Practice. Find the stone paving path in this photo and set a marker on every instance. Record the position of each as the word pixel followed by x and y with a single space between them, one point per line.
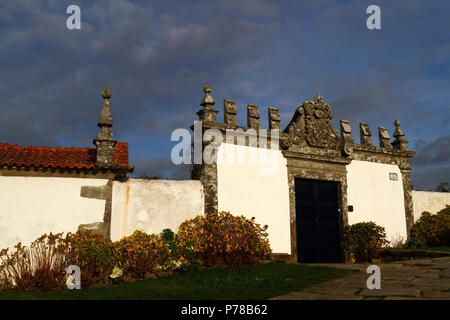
pixel 424 279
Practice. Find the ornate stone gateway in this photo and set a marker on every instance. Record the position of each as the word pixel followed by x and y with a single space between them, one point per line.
pixel 316 153
pixel 317 167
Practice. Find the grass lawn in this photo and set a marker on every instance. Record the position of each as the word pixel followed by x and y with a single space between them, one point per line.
pixel 246 282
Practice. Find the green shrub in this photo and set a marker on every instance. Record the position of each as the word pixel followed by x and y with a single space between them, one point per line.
pixel 221 238
pixel 141 254
pixel 364 241
pixel 94 254
pixel 431 230
pixel 173 260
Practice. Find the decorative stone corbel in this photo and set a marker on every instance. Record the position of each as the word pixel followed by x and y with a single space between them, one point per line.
pixel 383 137
pixel 253 116
pixel 230 112
pixel 365 134
pixel 285 141
pixel 274 119
pixel 346 138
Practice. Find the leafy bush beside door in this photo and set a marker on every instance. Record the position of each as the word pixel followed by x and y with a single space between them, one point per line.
pixel 364 240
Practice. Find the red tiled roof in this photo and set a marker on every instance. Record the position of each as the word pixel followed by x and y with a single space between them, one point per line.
pixel 121 154
pixel 47 157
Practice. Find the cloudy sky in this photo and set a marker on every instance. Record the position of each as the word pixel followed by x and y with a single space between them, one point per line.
pixel 157 56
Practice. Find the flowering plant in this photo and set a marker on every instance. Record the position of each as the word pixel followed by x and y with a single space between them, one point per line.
pixel 221 238
pixel 141 254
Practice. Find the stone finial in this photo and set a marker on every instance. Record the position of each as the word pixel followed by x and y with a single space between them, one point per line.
pixel 104 141
pixel 253 116
pixel 208 100
pixel 399 143
pixel 274 119
pixel 230 112
pixel 106 94
pixel 365 134
pixel 105 115
pixel 383 137
pixel 208 113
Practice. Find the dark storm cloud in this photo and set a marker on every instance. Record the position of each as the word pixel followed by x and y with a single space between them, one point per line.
pixel 428 178
pixel 434 152
pixel 152 63
pixel 161 168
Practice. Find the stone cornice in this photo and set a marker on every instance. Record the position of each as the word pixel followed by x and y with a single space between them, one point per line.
pixel 316 154
pixel 383 151
pixel 92 173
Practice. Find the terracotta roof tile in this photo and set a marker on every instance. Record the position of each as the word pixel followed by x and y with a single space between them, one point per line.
pixel 57 157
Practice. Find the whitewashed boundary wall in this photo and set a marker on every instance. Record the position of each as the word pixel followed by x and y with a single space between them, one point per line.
pixel 32 206
pixel 429 201
pixel 153 205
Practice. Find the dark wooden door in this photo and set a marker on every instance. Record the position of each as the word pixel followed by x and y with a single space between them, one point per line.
pixel 318 232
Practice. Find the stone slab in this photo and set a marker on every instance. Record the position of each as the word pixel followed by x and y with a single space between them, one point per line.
pixel 315 296
pixel 405 292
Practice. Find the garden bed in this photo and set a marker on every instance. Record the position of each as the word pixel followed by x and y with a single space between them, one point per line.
pixel 261 281
pixel 390 255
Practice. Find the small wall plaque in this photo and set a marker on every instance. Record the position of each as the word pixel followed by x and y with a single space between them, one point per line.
pixel 393 176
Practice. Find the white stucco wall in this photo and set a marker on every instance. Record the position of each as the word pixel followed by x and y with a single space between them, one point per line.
pixel 153 205
pixel 32 206
pixel 429 201
pixel 375 197
pixel 256 190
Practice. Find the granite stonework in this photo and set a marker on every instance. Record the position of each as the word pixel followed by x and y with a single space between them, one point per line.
pixel 102 193
pixel 313 150
pixel 207 174
pixel 104 141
